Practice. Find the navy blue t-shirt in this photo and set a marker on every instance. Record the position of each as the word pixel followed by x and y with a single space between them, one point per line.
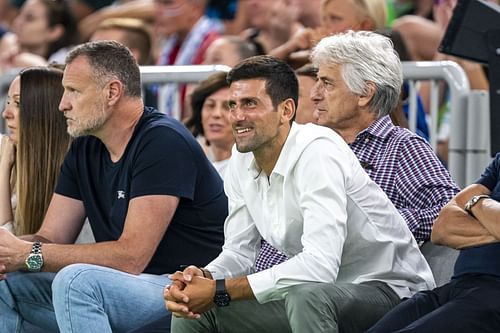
pixel 484 259
pixel 162 158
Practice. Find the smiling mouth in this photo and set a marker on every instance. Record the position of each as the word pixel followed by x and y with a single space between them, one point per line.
pixel 243 130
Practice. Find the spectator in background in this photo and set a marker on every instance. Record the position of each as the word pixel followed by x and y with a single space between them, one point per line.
pixel 42 32
pixel 272 23
pixel 336 16
pixel 305 108
pixel 83 8
pixel 209 120
pixel 133 172
pixel 188 33
pixel 309 12
pixel 133 33
pixel 33 150
pixel 229 51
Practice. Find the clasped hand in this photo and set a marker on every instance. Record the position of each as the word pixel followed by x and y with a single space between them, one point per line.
pixel 190 294
pixel 13 252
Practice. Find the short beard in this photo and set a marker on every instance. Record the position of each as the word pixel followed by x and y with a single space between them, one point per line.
pixel 88 126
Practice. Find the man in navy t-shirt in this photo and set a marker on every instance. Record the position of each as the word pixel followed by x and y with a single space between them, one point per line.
pixel 153 200
pixel 470 302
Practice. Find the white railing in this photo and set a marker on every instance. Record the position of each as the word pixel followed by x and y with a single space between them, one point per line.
pixel 469 139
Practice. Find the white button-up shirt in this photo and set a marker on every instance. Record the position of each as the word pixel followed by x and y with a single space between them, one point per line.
pixel 322 210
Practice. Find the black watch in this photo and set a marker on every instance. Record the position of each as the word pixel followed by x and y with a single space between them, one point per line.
pixel 221 297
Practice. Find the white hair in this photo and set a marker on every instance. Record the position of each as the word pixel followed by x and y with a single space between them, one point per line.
pixel 364 57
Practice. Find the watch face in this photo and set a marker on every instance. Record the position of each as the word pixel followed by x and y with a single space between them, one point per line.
pixel 222 299
pixel 34 262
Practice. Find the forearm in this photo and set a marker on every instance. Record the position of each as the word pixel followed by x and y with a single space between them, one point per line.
pixel 6 213
pixel 113 254
pixel 457 229
pixel 487 212
pixel 239 289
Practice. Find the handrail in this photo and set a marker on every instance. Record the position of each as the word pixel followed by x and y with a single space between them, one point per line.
pixel 458 83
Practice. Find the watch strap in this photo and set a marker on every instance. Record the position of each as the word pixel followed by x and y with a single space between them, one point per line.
pixel 473 201
pixel 221 297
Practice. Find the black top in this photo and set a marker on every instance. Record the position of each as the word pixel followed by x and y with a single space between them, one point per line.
pixel 162 158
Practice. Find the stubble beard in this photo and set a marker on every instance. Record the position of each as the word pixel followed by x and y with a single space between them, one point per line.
pixel 88 126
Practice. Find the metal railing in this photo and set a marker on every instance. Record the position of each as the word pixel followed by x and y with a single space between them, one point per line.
pixel 468 143
pixel 469 116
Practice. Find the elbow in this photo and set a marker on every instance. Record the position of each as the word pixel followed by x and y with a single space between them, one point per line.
pixel 439 231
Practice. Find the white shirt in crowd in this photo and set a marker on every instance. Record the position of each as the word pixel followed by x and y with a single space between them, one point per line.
pixel 323 211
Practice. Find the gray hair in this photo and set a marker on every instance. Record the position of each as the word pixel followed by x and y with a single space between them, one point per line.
pixel 364 57
pixel 110 60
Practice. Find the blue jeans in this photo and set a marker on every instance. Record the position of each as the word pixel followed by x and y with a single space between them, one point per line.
pixel 81 298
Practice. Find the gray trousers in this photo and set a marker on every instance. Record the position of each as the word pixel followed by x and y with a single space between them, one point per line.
pixel 312 307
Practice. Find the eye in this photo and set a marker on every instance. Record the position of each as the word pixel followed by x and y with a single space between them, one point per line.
pixel 250 103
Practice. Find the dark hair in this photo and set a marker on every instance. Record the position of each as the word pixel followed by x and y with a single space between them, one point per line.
pixel 307 70
pixel 207 87
pixel 136 35
pixel 281 82
pixel 110 59
pixel 43 143
pixel 58 12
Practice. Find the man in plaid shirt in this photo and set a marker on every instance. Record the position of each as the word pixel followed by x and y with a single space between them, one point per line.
pixel 400 162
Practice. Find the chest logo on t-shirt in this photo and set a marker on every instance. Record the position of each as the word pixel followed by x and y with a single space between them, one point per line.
pixel 121 194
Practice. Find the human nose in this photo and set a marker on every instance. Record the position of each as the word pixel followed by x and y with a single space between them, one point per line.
pixel 316 93
pixel 7 112
pixel 236 113
pixel 64 104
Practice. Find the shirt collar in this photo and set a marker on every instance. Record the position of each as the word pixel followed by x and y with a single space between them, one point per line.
pixel 379 128
pixel 283 163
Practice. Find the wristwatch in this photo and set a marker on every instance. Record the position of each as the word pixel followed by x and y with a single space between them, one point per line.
pixel 34 261
pixel 221 297
pixel 474 200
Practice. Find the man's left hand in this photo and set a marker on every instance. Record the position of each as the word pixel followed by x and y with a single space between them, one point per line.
pixel 190 298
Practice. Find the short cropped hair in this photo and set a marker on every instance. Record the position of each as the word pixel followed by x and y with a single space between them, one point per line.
pixel 281 82
pixel 110 59
pixel 364 57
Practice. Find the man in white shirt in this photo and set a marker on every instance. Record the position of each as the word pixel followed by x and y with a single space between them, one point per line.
pixel 302 189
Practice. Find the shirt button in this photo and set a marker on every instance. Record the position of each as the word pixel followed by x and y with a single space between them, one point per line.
pixel 367 140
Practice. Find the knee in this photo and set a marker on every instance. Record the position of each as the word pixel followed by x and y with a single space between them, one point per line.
pixel 72 278
pixel 304 295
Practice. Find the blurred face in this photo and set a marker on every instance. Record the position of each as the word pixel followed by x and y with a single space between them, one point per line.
pixel 259 12
pixel 83 101
pixel 336 106
pixel 341 15
pixel 221 52
pixel 109 34
pixel 215 121
pixel 305 108
pixel 31 26
pixel 11 110
pixel 255 122
pixel 170 16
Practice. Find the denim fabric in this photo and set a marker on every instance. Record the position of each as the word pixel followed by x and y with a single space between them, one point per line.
pixel 83 298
